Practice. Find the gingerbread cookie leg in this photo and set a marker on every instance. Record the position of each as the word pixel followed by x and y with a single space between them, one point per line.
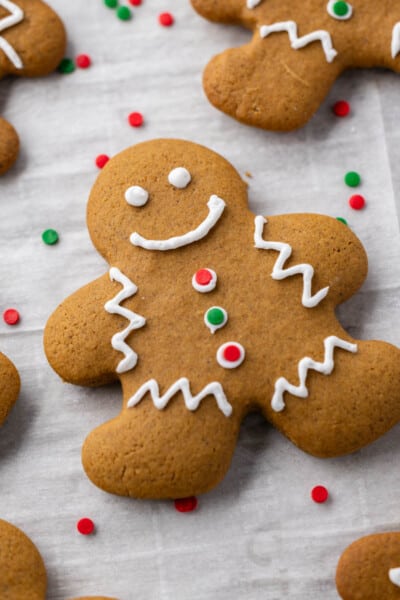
pixel 369 569
pixel 9 146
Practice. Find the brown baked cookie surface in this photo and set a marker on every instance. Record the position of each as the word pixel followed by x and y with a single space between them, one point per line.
pixel 22 572
pixel 369 569
pixel 9 386
pixel 209 312
pixel 298 49
pixel 32 44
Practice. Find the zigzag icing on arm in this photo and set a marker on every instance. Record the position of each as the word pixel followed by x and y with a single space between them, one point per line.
pixel 136 321
pixel 394 576
pixel 279 272
pixel 396 40
pixel 16 16
pixel 325 368
pixel 252 3
pixel 182 385
pixel 299 42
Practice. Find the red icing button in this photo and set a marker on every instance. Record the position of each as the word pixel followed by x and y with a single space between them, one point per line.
pixel 102 160
pixel 11 316
pixel 357 202
pixel 83 61
pixel 85 526
pixel 184 505
pixel 319 494
pixel 166 19
pixel 203 277
pixel 135 2
pixel 135 119
pixel 232 353
pixel 341 108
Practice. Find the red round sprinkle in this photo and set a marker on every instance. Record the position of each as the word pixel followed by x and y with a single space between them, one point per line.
pixel 136 119
pixel 341 108
pixel 102 160
pixel 319 494
pixel 11 316
pixel 184 505
pixel 135 2
pixel 203 277
pixel 166 19
pixel 83 61
pixel 85 526
pixel 232 353
pixel 357 202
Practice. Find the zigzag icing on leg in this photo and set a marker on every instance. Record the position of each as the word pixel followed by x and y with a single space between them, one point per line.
pixel 279 272
pixel 135 321
pixel 282 385
pixel 16 16
pixel 299 42
pixel 396 40
pixel 182 385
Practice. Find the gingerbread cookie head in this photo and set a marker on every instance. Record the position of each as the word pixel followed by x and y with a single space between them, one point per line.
pixel 9 386
pixel 369 569
pixel 298 49
pixel 32 38
pixel 208 312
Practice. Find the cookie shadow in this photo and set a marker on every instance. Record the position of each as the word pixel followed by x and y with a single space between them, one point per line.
pixel 14 431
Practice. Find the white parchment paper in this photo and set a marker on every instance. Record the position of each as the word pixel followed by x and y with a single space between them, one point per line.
pixel 258 535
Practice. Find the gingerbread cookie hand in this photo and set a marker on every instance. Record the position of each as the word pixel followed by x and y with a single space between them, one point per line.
pixel 370 568
pixel 281 77
pixel 213 312
pixel 9 386
pixel 32 44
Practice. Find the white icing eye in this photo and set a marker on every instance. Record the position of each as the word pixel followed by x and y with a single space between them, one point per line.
pixel 136 196
pixel 338 9
pixel 180 177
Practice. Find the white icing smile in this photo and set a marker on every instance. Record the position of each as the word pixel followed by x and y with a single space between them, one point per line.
pixel 299 42
pixel 216 207
pixel 16 16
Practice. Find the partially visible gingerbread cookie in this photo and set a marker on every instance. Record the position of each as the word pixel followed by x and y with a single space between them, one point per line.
pixel 9 146
pixel 369 569
pixel 208 312
pixel 298 50
pixel 32 44
pixel 9 386
pixel 22 571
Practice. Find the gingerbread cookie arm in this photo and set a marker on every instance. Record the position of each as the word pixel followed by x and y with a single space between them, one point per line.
pixel 9 386
pixel 9 146
pixel 230 11
pixel 22 572
pixel 369 569
pixel 94 346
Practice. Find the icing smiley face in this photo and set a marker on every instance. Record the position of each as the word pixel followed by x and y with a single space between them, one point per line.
pixel 298 50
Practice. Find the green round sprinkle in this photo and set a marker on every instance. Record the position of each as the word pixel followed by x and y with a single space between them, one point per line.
pixel 341 8
pixel 66 66
pixel 341 220
pixel 50 237
pixel 352 179
pixel 215 316
pixel 111 3
pixel 124 13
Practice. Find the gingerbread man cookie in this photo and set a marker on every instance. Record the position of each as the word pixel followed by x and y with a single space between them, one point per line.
pixel 22 571
pixel 298 50
pixel 208 312
pixel 369 569
pixel 32 44
pixel 9 386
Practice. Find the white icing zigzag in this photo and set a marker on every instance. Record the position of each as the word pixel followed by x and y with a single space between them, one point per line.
pixel 135 321
pixel 394 576
pixel 278 272
pixel 396 40
pixel 182 385
pixel 16 16
pixel 299 42
pixel 252 3
pixel 282 385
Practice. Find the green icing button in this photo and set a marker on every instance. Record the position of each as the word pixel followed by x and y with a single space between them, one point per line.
pixel 215 316
pixel 111 3
pixel 124 13
pixel 66 66
pixel 341 220
pixel 341 8
pixel 352 179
